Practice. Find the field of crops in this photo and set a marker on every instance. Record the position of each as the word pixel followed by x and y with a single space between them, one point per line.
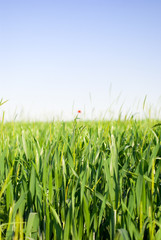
pixel 80 180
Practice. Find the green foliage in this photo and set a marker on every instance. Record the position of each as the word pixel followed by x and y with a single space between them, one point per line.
pixel 80 180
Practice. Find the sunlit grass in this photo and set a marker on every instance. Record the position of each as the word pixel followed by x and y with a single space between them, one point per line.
pixel 80 179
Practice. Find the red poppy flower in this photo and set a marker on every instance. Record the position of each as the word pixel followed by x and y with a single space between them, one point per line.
pixel 79 111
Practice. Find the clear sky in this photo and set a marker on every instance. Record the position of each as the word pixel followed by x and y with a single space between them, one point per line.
pixel 59 56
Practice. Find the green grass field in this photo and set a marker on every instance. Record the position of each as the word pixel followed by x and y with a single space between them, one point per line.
pixel 80 180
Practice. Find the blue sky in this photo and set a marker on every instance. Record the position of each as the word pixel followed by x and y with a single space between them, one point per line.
pixel 60 56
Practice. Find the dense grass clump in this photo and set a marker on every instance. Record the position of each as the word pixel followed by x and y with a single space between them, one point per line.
pixel 80 180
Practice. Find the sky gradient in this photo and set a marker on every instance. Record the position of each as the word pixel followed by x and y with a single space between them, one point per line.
pixel 57 57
